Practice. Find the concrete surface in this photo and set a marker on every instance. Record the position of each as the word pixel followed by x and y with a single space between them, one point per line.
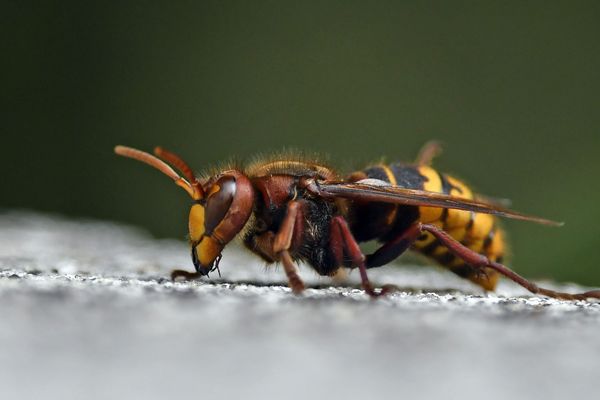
pixel 87 313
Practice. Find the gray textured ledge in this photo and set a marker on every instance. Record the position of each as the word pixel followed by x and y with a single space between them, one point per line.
pixel 87 313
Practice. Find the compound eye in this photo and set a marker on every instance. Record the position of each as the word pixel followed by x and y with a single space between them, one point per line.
pixel 219 199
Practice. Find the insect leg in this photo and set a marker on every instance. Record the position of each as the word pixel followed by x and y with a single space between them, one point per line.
pixel 180 273
pixel 479 261
pixel 394 248
pixel 294 281
pixel 283 241
pixel 341 236
pixel 428 152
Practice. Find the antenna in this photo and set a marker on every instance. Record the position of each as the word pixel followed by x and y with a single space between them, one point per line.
pixel 194 190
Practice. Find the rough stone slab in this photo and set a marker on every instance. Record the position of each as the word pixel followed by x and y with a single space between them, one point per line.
pixel 87 312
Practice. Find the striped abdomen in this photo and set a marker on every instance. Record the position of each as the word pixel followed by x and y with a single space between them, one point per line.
pixel 384 222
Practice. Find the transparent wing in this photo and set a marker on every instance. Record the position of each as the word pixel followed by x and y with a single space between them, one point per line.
pixel 413 197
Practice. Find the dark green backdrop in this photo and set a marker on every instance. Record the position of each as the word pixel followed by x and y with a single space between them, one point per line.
pixel 512 88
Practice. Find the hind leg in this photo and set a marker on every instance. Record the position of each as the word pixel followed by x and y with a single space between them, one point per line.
pixel 481 268
pixel 485 278
pixel 394 248
pixel 428 152
pixel 481 262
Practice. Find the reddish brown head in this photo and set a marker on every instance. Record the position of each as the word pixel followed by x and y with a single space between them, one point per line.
pixel 222 204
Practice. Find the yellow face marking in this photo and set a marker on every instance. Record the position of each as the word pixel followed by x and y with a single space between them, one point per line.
pixel 208 250
pixel 196 222
pixel 433 183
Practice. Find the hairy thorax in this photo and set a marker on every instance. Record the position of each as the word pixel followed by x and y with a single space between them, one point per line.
pixel 277 183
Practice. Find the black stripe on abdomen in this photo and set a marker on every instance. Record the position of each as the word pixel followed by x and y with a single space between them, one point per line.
pixel 407 176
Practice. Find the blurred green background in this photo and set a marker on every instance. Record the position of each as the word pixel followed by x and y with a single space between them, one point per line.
pixel 511 88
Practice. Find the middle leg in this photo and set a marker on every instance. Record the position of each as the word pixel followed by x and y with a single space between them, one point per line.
pixel 343 243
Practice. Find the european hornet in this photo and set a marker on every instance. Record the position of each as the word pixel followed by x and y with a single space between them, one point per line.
pixel 290 209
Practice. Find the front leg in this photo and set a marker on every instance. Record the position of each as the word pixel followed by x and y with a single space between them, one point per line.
pixel 283 241
pixel 180 273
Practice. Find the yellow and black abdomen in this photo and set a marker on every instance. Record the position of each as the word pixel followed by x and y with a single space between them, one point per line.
pixel 383 222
